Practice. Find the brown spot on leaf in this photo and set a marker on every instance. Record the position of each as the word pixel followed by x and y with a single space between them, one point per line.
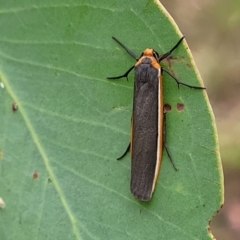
pixel 35 175
pixel 167 107
pixel 14 106
pixel 180 106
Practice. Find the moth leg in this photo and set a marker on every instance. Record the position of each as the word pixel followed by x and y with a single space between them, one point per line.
pixel 179 82
pixel 124 75
pixel 165 141
pixel 125 153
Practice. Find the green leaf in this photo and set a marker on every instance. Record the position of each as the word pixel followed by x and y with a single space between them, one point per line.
pixel 59 177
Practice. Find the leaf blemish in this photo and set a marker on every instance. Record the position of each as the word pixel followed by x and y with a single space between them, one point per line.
pixel 167 107
pixel 35 175
pixel 180 106
pixel 14 107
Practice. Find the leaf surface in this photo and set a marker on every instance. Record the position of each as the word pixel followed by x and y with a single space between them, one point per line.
pixel 59 176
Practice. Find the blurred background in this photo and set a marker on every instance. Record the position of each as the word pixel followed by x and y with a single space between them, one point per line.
pixel 212 30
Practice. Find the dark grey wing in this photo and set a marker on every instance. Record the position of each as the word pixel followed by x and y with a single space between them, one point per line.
pixel 144 131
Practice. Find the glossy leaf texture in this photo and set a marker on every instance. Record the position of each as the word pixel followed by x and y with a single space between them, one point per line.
pixel 59 177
